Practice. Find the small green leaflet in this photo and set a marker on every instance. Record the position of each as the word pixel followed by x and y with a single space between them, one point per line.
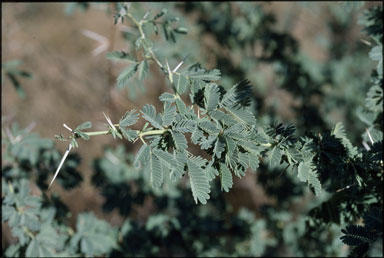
pixel 226 178
pixel 83 126
pixel 125 75
pixel 165 158
pixel 196 72
pixel 307 173
pixel 128 134
pixel 209 127
pixel 120 55
pixel 199 183
pixel 185 126
pixel 142 155
pixel 211 173
pixel 197 135
pixel 179 140
pixel 166 96
pixel 275 156
pixel 181 83
pixel 143 69
pixel 242 115
pixel 212 96
pixel 83 135
pixel 219 147
pixel 149 114
pixel 181 106
pixel 130 118
pixel 169 114
pixel 156 177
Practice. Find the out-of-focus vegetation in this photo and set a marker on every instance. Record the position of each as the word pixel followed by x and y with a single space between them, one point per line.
pixel 314 67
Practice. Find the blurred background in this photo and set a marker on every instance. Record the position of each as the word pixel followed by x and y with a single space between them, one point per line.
pixel 307 61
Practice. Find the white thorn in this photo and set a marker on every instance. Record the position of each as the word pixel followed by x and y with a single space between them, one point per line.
pixel 366 42
pixel 178 66
pixel 61 164
pixel 169 71
pixel 146 14
pixel 182 61
pixel 66 126
pixel 369 135
pixel 366 146
pixel 109 121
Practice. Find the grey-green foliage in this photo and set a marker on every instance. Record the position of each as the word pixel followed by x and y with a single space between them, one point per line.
pixel 221 122
pixel 224 127
pixel 40 234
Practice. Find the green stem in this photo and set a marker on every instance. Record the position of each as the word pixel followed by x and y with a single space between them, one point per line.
pixel 97 133
pixel 140 27
pixel 153 132
pixel 141 134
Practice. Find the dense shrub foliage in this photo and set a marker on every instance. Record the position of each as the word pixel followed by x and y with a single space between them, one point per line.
pixel 324 176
